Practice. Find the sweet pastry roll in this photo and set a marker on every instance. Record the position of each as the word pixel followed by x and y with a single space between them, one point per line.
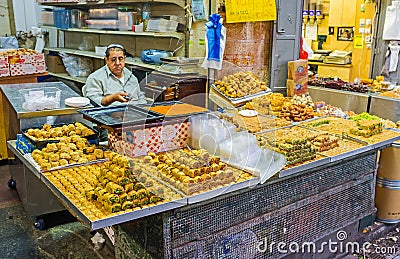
pixel 91 157
pixel 54 157
pixel 63 162
pixel 144 201
pixel 45 166
pixel 55 164
pixel 71 127
pixel 46 135
pixel 98 153
pixel 128 187
pixel 110 198
pixel 65 155
pixel 123 180
pixel 114 208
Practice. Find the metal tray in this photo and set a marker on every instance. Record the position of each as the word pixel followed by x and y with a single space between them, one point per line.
pixel 113 220
pixel 241 99
pixel 350 153
pixel 387 142
pixel 39 144
pixel 32 161
pixel 304 167
pixel 116 116
pixel 223 190
pixel 170 103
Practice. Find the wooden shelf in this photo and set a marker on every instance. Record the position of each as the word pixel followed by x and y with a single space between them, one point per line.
pixel 81 79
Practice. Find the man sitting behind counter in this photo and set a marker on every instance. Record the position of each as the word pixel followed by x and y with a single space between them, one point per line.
pixel 113 84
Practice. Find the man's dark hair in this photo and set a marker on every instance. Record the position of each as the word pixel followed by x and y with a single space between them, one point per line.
pixel 114 46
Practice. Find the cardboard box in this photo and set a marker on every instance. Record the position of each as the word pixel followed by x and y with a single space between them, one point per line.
pixel 3 61
pixel 297 69
pixel 31 58
pixel 297 87
pixel 4 71
pixel 55 64
pixel 138 142
pixel 20 69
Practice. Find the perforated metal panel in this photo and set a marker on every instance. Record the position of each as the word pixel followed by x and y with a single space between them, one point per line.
pixel 303 221
pixel 197 222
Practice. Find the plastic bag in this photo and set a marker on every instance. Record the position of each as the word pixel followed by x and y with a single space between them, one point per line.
pixel 77 66
pixel 8 42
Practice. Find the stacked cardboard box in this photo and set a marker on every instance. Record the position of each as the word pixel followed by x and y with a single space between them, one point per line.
pixel 297 82
pixel 4 67
pixel 26 64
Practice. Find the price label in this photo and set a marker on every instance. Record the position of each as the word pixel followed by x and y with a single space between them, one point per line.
pixel 250 10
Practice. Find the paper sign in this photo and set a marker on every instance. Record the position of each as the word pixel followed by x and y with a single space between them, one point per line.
pixel 198 9
pixel 311 31
pixel 250 10
pixel 358 42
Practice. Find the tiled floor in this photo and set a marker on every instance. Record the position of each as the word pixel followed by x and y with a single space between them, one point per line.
pixel 20 239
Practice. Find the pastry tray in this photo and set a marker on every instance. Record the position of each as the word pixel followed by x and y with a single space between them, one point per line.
pixel 114 219
pixel 29 158
pixel 170 103
pixel 116 116
pixel 39 144
pixel 241 99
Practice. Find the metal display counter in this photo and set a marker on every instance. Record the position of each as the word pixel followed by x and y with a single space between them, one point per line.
pixel 385 107
pixel 202 225
pixel 302 207
pixel 35 196
pixel 357 102
pixel 17 118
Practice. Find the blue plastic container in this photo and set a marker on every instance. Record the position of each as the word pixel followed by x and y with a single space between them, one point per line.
pixel 62 18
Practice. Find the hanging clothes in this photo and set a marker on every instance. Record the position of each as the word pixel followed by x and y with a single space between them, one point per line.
pixel 392 21
pixel 394 57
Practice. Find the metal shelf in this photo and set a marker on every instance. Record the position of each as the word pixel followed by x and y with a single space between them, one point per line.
pixel 91 54
pixel 177 35
pixel 81 79
pixel 180 3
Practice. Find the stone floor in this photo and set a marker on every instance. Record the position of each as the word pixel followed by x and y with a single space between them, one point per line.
pixel 20 239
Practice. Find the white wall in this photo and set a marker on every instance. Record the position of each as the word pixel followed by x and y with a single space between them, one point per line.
pixel 4 19
pixel 26 14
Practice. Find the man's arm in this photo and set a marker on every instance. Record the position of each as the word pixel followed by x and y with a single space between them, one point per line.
pixel 94 91
pixel 109 99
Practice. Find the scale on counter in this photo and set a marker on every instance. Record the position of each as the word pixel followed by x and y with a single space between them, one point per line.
pixel 179 66
pixel 319 55
pixel 338 57
pixel 116 116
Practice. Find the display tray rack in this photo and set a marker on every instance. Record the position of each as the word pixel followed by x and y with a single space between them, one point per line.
pixel 241 99
pixel 115 219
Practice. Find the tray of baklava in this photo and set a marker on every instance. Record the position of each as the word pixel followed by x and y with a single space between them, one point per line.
pixel 110 192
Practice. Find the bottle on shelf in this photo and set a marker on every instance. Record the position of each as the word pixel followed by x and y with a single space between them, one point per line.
pixel 146 13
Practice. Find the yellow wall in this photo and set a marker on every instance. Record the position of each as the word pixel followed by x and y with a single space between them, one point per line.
pixel 361 57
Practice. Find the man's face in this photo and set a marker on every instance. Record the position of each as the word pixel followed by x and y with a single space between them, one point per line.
pixel 116 61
